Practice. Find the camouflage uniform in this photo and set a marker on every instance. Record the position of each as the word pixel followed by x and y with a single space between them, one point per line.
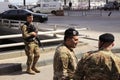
pixel 31 48
pixel 65 63
pixel 98 65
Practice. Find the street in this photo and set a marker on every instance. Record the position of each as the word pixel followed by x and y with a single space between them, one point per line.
pixel 46 74
pixel 102 23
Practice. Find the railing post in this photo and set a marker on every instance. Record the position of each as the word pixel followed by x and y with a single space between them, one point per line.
pixel 2 21
pixel 9 23
pixel 55 28
pixel 19 23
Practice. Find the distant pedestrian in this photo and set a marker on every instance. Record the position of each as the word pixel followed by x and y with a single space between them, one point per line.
pixel 101 64
pixel 65 60
pixel 32 49
pixel 70 5
pixel 109 14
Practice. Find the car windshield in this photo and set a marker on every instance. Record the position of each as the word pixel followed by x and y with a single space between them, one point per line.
pixel 5 12
pixel 24 12
pixel 28 11
pixel 10 12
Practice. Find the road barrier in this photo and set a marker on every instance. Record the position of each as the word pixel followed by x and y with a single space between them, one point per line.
pixel 85 12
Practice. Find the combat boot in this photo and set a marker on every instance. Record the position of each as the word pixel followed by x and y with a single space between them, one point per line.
pixel 35 69
pixel 34 64
pixel 30 71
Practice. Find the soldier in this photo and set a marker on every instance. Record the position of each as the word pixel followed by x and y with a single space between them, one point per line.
pixel 65 60
pixel 29 33
pixel 70 5
pixel 101 64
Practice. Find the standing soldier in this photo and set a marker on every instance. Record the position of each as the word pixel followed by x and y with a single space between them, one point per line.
pixel 70 5
pixel 65 60
pixel 29 33
pixel 101 64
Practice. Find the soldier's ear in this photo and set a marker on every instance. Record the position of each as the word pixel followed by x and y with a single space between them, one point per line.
pixel 113 44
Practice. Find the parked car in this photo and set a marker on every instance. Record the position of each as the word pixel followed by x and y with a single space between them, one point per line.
pixel 20 14
pixel 111 6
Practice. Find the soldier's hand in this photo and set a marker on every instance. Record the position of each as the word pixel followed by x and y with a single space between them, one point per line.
pixel 34 33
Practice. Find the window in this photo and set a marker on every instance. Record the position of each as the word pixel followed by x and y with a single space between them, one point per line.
pixel 12 12
pixel 22 12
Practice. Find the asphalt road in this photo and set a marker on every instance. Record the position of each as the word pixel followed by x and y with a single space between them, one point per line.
pixel 102 23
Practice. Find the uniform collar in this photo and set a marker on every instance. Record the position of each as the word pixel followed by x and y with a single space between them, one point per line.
pixel 106 51
pixel 68 47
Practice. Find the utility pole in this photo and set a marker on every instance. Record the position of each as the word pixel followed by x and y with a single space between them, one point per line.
pixel 88 4
pixel 24 2
pixel 106 1
pixel 64 2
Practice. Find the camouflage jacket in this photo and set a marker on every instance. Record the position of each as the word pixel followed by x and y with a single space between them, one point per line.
pixel 99 65
pixel 65 62
pixel 26 34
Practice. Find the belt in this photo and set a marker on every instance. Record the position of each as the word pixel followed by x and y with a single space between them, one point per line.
pixel 29 39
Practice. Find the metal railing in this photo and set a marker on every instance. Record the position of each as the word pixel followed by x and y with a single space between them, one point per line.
pixel 11 23
pixel 17 24
pixel 39 33
pixel 85 12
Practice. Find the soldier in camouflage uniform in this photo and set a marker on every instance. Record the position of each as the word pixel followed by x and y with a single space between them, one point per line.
pixel 65 60
pixel 101 64
pixel 29 33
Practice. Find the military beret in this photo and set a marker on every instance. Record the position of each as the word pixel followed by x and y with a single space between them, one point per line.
pixel 107 37
pixel 71 32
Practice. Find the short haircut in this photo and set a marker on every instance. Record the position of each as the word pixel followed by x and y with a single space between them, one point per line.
pixel 107 37
pixel 29 14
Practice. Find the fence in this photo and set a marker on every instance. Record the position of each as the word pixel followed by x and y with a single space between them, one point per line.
pixel 11 23
pixel 85 12
pixel 18 23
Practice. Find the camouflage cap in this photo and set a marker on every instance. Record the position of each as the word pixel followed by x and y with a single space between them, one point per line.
pixel 71 32
pixel 107 37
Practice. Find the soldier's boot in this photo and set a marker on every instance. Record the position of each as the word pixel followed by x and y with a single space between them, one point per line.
pixel 29 65
pixel 30 71
pixel 34 64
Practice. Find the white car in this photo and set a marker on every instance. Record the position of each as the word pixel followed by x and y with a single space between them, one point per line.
pixel 47 6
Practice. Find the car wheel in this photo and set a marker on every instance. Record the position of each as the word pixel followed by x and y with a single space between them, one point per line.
pixel 53 12
pixel 41 20
pixel 105 9
pixel 117 8
pixel 37 11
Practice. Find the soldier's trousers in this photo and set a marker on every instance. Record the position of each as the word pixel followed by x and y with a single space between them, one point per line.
pixel 33 53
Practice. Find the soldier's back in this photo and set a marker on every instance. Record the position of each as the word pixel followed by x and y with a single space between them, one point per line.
pixel 98 65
